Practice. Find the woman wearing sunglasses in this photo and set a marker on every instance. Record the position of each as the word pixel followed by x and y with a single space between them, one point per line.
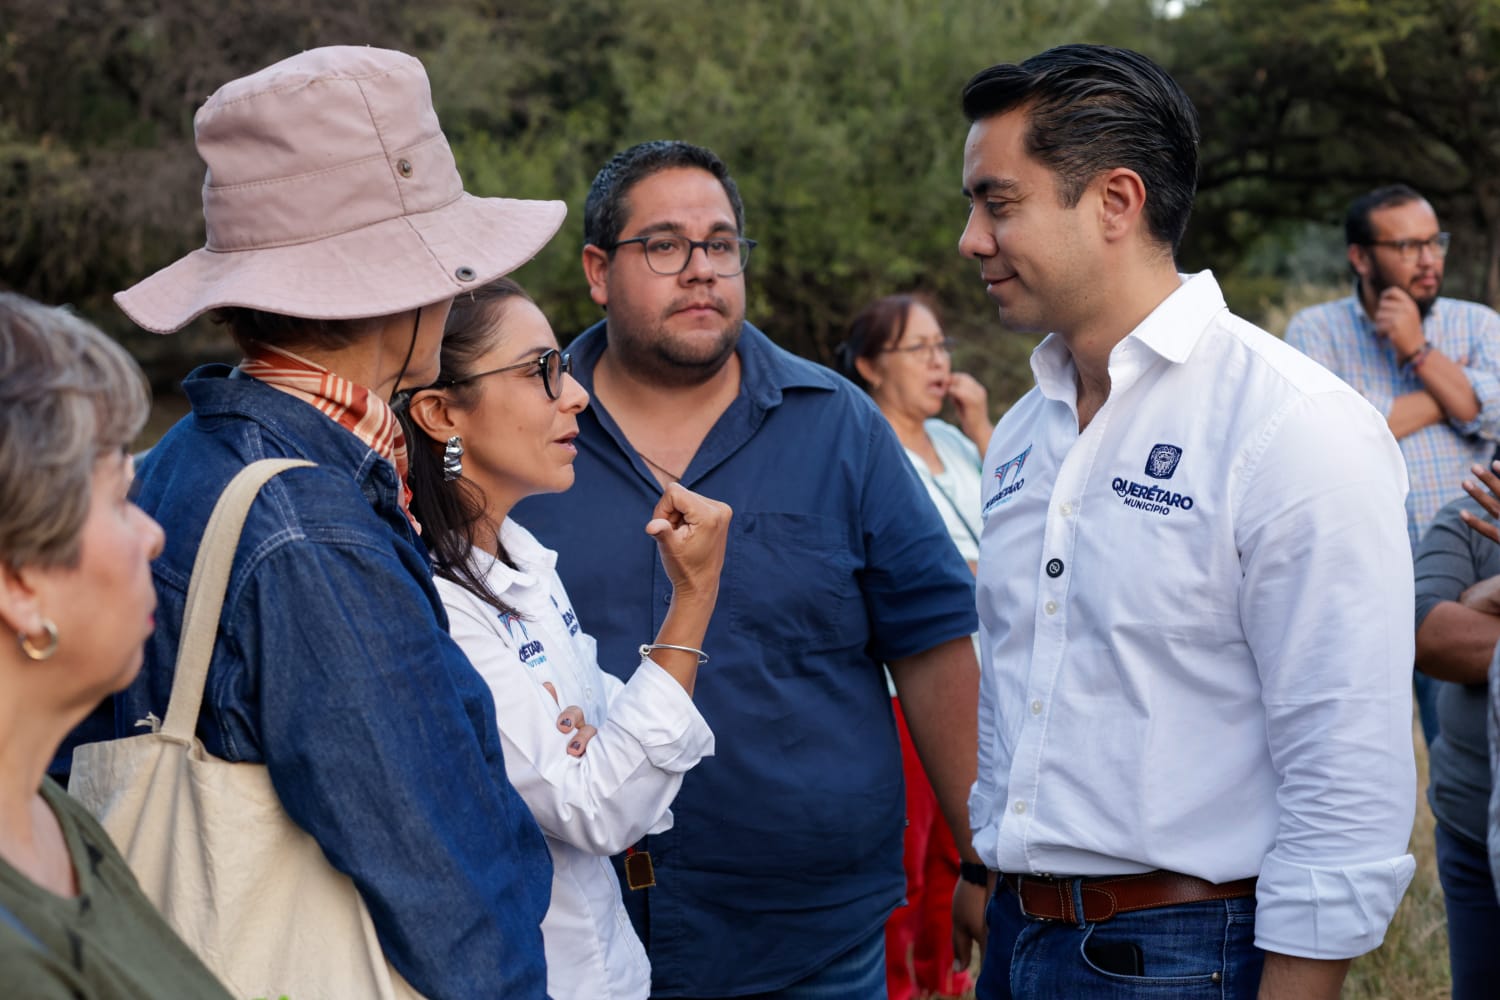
pixel 497 426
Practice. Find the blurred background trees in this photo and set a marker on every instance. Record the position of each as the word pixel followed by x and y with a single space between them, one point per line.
pixel 838 118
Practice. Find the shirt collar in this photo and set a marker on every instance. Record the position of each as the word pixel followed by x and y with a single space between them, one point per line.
pixel 530 556
pixel 766 371
pixel 1170 331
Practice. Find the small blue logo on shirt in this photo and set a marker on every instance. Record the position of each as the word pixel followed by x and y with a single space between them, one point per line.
pixel 530 651
pixel 1008 470
pixel 569 619
pixel 1162 461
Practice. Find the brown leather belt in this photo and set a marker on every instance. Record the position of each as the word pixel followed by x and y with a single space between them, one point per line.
pixel 1051 898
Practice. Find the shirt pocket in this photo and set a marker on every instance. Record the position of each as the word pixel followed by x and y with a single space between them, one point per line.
pixel 792 583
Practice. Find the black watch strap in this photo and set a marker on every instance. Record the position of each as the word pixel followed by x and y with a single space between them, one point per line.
pixel 974 873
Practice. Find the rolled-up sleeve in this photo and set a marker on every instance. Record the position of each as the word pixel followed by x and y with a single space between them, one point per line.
pixel 1482 367
pixel 1326 604
pixel 623 785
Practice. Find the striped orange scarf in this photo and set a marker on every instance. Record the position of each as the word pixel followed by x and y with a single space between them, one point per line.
pixel 353 407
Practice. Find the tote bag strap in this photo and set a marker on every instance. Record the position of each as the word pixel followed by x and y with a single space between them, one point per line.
pixel 205 596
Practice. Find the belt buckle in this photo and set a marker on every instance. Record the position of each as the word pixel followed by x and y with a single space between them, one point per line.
pixel 1037 878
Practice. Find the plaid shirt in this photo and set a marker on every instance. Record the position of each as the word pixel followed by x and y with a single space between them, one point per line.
pixel 1340 336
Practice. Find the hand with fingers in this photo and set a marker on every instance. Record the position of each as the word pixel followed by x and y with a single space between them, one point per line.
pixel 1486 492
pixel 971 404
pixel 1398 320
pixel 691 532
pixel 571 723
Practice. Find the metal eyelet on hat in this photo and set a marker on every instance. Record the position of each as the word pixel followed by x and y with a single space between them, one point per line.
pixel 464 274
pixel 403 167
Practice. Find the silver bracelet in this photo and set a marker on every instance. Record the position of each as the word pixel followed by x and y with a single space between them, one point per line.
pixel 647 647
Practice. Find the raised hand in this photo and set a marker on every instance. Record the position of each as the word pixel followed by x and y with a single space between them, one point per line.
pixel 1398 320
pixel 691 532
pixel 1487 493
pixel 971 404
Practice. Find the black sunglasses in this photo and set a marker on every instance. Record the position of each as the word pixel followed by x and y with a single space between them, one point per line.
pixel 552 365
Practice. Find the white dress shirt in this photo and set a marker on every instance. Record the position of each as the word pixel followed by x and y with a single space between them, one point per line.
pixel 1196 629
pixel 588 807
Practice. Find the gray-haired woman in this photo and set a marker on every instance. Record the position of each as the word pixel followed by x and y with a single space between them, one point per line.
pixel 76 596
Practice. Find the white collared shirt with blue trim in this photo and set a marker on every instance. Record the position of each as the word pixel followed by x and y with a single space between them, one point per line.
pixel 649 735
pixel 1196 631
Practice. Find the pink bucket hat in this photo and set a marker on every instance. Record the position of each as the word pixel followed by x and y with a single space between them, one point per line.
pixel 331 193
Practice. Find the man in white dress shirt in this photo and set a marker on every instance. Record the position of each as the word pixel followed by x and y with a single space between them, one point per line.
pixel 1195 587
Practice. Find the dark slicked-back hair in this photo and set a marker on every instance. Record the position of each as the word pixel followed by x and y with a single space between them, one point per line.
pixel 607 208
pixel 1091 108
pixel 1357 228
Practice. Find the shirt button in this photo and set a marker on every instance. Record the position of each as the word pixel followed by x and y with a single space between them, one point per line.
pixel 1054 568
pixel 1066 510
pixel 1036 708
pixel 667 597
pixel 1050 607
pixel 1020 807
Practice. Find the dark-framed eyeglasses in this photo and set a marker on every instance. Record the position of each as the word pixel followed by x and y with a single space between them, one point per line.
pixel 1410 250
pixel 927 351
pixel 668 254
pixel 551 366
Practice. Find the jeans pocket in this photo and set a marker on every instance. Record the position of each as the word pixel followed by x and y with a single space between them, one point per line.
pixel 1188 951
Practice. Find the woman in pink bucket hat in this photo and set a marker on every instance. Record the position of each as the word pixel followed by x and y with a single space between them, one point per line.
pixel 338 235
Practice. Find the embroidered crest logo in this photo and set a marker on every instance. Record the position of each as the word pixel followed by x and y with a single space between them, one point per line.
pixel 1162 461
pixel 513 622
pixel 530 652
pixel 1010 471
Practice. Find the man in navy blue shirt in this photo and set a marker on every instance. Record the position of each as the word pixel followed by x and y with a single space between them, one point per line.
pixel 785 858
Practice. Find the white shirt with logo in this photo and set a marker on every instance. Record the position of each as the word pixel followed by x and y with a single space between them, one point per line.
pixel 589 807
pixel 1196 629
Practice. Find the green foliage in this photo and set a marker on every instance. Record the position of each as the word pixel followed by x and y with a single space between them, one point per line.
pixel 839 120
pixel 1307 105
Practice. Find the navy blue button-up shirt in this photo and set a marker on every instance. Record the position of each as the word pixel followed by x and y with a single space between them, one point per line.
pixel 787 845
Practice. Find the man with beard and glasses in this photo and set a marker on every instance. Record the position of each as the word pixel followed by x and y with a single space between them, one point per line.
pixel 1431 365
pixel 785 857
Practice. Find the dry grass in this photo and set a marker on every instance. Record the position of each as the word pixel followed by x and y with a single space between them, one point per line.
pixel 1413 962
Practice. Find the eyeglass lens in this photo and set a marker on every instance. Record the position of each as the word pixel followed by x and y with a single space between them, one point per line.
pixel 671 254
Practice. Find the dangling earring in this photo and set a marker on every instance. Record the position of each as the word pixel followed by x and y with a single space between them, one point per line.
pixel 453 458
pixel 32 651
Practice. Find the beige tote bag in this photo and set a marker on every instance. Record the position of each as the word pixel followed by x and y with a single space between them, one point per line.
pixel 243 885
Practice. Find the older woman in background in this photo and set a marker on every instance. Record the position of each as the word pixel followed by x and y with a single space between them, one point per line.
pixel 75 556
pixel 897 352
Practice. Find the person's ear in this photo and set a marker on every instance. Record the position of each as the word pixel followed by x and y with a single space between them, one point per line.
pixel 868 372
pixel 596 270
pixel 1359 259
pixel 20 606
pixel 434 413
pixel 1122 203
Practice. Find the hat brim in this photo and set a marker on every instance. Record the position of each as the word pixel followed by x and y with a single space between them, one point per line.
pixel 380 270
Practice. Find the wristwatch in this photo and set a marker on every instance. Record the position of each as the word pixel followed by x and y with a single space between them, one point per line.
pixel 974 873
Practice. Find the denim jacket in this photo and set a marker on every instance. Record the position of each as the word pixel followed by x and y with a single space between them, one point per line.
pixel 333 667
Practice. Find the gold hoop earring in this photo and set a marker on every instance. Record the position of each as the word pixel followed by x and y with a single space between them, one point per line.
pixel 32 651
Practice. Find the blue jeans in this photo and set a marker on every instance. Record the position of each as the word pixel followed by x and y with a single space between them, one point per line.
pixel 857 974
pixel 1473 915
pixel 1189 951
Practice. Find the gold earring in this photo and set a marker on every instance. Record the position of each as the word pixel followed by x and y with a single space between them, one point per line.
pixel 32 651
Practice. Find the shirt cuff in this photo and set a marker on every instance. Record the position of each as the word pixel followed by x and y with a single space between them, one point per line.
pixel 1328 913
pixel 654 709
